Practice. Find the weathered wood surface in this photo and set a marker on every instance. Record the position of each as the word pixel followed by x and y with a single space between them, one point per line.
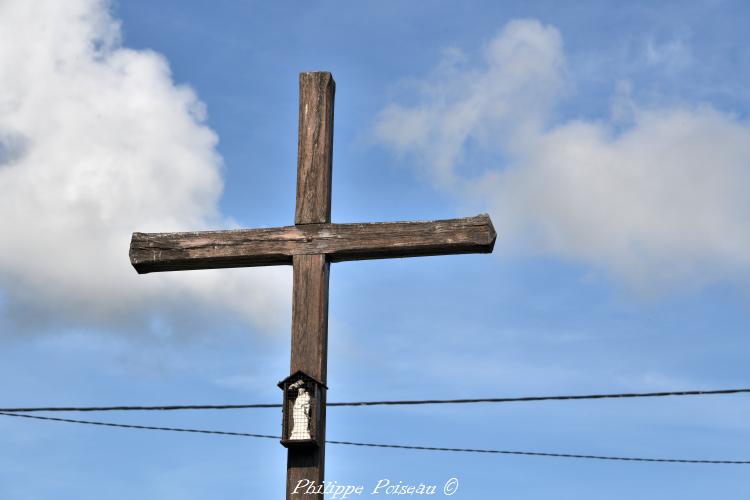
pixel 310 291
pixel 315 148
pixel 152 252
pixel 310 316
pixel 310 246
pixel 309 354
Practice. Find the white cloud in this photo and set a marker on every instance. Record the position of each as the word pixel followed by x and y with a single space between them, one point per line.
pixel 504 99
pixel 673 54
pixel 96 142
pixel 658 201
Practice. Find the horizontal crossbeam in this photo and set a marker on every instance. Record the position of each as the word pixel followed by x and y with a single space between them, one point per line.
pixel 155 252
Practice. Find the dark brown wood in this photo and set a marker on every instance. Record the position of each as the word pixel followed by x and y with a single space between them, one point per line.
pixel 310 246
pixel 152 252
pixel 309 354
pixel 315 148
pixel 310 290
pixel 310 316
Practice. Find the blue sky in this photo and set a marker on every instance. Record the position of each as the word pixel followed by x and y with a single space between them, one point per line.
pixel 609 142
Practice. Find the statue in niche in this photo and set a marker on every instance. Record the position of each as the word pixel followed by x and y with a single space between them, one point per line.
pixel 300 412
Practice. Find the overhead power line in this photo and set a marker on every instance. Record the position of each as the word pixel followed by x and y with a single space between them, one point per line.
pixel 143 427
pixel 381 403
pixel 396 446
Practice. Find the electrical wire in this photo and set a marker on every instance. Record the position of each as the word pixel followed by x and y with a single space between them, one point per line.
pixel 379 403
pixel 142 427
pixel 396 446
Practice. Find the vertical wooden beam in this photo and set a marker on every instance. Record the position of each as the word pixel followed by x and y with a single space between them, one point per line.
pixel 310 294
pixel 309 354
pixel 310 316
pixel 315 148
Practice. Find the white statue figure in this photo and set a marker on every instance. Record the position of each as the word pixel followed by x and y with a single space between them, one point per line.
pixel 300 413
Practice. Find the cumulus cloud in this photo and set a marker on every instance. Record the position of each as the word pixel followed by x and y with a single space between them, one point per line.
pixel 655 197
pixel 97 141
pixel 504 98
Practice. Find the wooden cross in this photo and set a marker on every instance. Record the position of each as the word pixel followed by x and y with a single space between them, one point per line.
pixel 310 246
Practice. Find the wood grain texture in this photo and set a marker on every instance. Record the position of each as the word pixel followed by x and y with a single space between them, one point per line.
pixel 309 354
pixel 315 148
pixel 153 252
pixel 310 316
pixel 310 246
